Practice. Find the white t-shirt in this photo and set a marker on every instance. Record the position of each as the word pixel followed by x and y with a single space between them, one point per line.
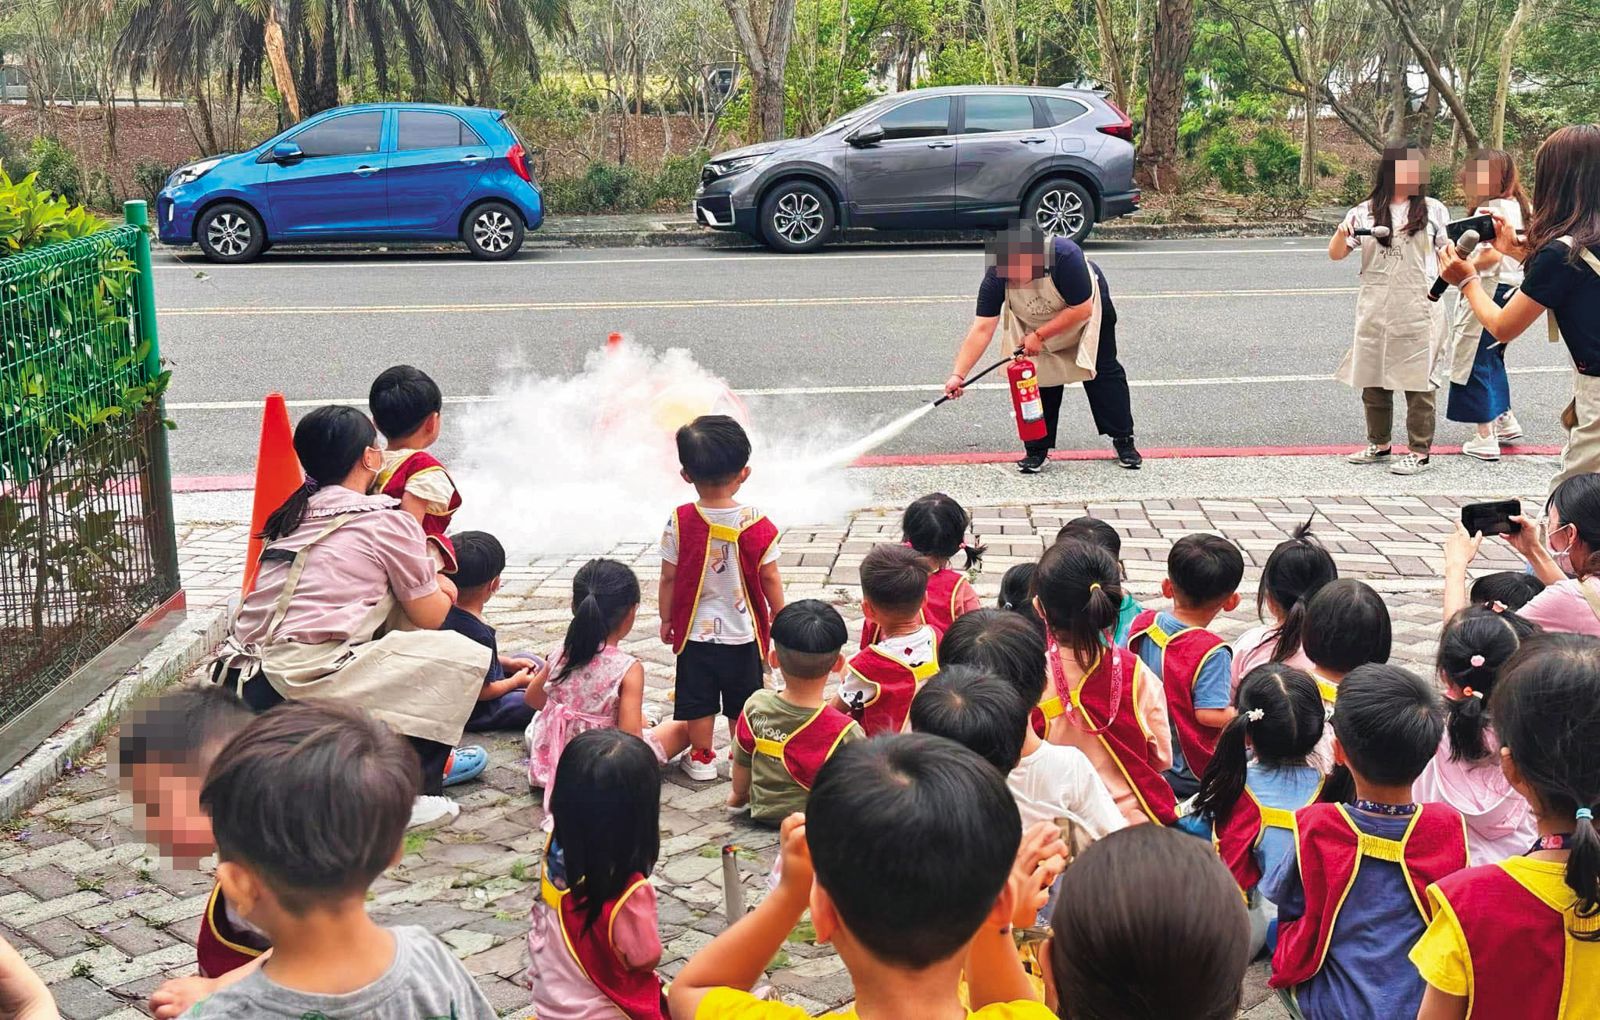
pixel 914 649
pixel 1360 218
pixel 1058 782
pixel 722 617
pixel 1509 271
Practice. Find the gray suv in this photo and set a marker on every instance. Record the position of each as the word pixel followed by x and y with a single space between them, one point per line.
pixel 967 156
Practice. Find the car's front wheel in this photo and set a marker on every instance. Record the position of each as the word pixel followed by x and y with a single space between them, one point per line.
pixel 797 216
pixel 493 231
pixel 230 233
pixel 1061 208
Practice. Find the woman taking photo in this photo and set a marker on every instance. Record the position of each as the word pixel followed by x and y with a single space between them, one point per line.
pixel 1561 275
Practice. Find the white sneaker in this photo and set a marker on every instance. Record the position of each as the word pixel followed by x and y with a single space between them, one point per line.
pixel 698 770
pixel 1371 455
pixel 428 812
pixel 1408 464
pixel 1482 447
pixel 1507 426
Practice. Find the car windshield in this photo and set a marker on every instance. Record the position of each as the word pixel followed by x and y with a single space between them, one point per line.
pixel 855 116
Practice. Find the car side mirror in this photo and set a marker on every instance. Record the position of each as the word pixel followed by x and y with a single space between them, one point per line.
pixel 287 152
pixel 871 134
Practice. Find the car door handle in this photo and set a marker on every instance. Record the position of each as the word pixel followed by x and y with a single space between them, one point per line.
pixel 940 145
pixel 365 171
pixel 1032 141
pixel 473 157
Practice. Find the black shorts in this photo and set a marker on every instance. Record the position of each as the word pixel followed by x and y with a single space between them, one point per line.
pixel 713 678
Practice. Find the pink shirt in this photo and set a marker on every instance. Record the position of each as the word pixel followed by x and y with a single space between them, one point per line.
pixel 1151 703
pixel 1254 648
pixel 379 550
pixel 1500 822
pixel 1562 608
pixel 560 989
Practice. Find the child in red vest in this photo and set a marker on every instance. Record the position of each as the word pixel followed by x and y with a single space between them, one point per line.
pixel 1521 937
pixel 719 588
pixel 1097 532
pixel 406 406
pixel 1351 898
pixel 1295 571
pixel 1194 664
pixel 783 737
pixel 936 527
pixel 1112 707
pixel 593 945
pixel 1347 625
pixel 884 677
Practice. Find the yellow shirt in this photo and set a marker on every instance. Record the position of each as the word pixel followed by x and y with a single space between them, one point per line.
pixel 732 1004
pixel 1442 959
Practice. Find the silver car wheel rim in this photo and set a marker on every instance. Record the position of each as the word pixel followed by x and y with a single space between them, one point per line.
pixel 228 234
pixel 492 231
pixel 798 217
pixel 1060 213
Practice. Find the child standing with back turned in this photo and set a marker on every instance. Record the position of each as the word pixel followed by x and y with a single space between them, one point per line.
pixel 720 586
pixel 406 405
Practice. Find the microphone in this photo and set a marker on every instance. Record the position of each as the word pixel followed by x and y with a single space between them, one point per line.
pixel 1464 247
pixel 1380 232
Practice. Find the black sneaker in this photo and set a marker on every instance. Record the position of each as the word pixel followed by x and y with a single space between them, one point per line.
pixel 1127 455
pixel 1033 463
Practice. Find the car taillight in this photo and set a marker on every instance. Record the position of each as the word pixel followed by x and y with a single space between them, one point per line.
pixel 519 161
pixel 1123 129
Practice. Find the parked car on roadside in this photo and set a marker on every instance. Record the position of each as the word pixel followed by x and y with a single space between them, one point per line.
pixel 373 172
pixel 938 158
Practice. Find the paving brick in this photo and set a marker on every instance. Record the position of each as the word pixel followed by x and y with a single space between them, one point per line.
pixel 79 998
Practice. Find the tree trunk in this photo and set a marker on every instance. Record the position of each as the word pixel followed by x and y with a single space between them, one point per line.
pixel 1502 81
pixel 1435 77
pixel 1156 162
pixel 1308 147
pixel 278 56
pixel 766 53
pixel 1111 55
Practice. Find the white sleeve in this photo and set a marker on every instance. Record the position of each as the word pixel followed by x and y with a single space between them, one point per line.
pixel 433 487
pixel 1439 220
pixel 774 552
pixel 1086 796
pixel 852 684
pixel 1358 218
pixel 669 541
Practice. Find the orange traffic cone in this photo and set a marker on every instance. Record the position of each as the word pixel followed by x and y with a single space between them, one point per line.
pixel 278 475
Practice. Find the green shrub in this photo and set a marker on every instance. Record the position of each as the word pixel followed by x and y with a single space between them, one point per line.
pixel 150 176
pixel 679 177
pixel 606 187
pixel 1281 200
pixel 102 193
pixel 1274 158
pixel 1442 183
pixel 57 168
pixel 1224 161
pixel 14 157
pixel 1355 188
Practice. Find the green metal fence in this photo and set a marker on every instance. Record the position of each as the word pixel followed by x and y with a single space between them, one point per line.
pixel 87 546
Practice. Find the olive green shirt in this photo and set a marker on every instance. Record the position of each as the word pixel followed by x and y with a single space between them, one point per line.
pixel 774 794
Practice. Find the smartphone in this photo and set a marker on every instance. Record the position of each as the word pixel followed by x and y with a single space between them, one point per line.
pixel 1483 224
pixel 1492 518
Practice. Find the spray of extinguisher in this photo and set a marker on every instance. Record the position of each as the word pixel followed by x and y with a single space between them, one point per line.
pixel 1026 405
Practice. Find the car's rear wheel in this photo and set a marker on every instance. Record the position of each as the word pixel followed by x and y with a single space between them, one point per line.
pixel 797 216
pixel 493 231
pixel 1061 208
pixel 230 232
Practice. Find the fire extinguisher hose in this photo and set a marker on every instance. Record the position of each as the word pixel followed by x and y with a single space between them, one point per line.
pixel 980 375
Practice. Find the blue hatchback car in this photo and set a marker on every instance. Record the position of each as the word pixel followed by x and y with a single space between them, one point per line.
pixel 374 172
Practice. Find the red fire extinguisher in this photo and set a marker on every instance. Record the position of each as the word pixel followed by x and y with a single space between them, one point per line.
pixel 1025 401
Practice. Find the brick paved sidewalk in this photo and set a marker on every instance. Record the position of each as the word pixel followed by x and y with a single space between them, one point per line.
pixel 105 924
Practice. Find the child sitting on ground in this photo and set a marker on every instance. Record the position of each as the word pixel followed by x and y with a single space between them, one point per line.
pixel 1098 532
pixel 406 405
pixel 1113 708
pixel 1347 625
pixel 976 710
pixel 309 805
pixel 884 677
pixel 1517 938
pixel 783 737
pixel 720 586
pixel 1350 899
pixel 1050 782
pixel 1295 571
pixel 1016 593
pixel 1194 664
pixel 909 890
pixel 480 559
pixel 592 683
pixel 593 945
pixel 936 527
pixel 1147 926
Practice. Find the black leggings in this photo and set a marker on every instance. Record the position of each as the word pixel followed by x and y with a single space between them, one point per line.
pixel 1107 391
pixel 431 755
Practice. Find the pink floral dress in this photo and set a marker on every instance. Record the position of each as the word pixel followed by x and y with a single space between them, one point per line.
pixel 587 699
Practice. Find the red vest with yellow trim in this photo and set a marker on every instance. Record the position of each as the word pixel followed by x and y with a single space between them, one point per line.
pixel 637 993
pixel 1047 711
pixel 804 751
pixel 938 606
pixel 219 947
pixel 393 485
pixel 1237 836
pixel 694 551
pixel 1106 705
pixel 1183 652
pixel 1329 848
pixel 896 683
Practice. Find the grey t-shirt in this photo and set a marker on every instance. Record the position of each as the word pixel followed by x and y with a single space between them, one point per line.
pixel 425 982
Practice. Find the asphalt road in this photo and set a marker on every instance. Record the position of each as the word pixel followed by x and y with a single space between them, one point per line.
pixel 1229 343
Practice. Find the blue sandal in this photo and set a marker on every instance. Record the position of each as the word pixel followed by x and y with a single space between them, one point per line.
pixel 466 764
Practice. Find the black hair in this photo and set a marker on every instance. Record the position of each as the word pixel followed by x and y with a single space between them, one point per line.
pixel 713 449
pixel 480 558
pixel 1511 588
pixel 937 526
pixel 401 399
pixel 1093 529
pixel 1346 625
pixel 606 803
pixel 1547 711
pixel 603 591
pixel 329 442
pixel 1204 569
pixel 1388 720
pixel 1016 593
pixel 1577 502
pixel 807 636
pixel 1296 570
pixel 894 578
pixel 1291 723
pixel 977 710
pixel 1007 646
pixel 1383 193
pixel 1474 646
pixel 1149 923
pixel 182 726
pixel 1080 591
pixel 315 797
pixel 912 878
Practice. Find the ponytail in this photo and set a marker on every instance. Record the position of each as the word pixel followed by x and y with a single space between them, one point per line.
pixel 1223 782
pixel 329 442
pixel 1280 715
pixel 937 526
pixel 1287 641
pixel 291 513
pixel 1079 588
pixel 603 593
pixel 1475 644
pixel 1583 874
pixel 1297 569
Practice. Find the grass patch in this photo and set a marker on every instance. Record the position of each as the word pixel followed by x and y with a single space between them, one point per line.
pixel 414 842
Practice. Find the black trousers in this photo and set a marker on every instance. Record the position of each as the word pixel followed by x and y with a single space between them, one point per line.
pixel 432 755
pixel 1107 391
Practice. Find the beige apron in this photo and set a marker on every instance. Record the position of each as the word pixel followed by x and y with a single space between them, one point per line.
pixel 422 682
pixel 1398 330
pixel 1466 331
pixel 1068 357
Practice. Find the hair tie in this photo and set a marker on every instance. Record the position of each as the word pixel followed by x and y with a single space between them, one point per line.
pixel 1498 606
pixel 1256 714
pixel 311 485
pixel 1094 586
pixel 1583 814
pixel 1477 661
pixel 1468 691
